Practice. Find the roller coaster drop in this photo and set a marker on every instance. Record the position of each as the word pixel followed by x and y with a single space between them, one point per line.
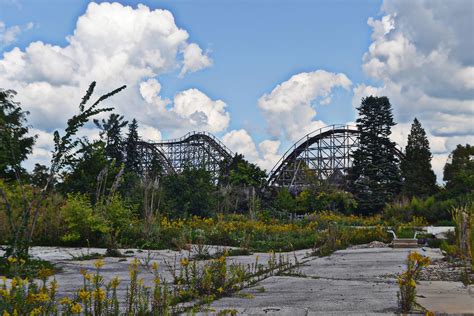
pixel 323 155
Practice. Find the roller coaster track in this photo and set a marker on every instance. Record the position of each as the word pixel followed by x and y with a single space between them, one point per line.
pixel 322 155
pixel 195 150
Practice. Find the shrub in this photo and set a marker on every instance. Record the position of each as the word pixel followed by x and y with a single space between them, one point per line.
pixel 82 221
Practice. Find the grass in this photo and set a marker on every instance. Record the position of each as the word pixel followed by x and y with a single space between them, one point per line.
pixel 25 268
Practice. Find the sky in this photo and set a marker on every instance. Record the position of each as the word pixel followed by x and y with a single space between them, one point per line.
pixel 257 74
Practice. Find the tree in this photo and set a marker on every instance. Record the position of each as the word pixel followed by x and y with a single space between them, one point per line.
pixel 190 192
pixel 15 144
pixel 82 178
pixel 23 226
pixel 39 176
pixel 375 173
pixel 459 171
pixel 132 162
pixel 417 174
pixel 111 131
pixel 240 183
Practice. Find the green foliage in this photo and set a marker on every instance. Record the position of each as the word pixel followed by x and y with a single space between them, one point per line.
pixel 39 176
pixel 418 177
pixel 329 199
pixel 430 208
pixel 240 172
pixel 111 133
pixel 64 152
pixel 375 174
pixel 118 219
pixel 459 172
pixel 90 161
pixel 284 201
pixel 15 144
pixel 190 192
pixel 132 156
pixel 83 222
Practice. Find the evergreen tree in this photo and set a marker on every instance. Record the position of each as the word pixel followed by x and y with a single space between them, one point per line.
pixel 132 162
pixel 111 132
pixel 375 173
pixel 15 144
pixel 459 172
pixel 418 176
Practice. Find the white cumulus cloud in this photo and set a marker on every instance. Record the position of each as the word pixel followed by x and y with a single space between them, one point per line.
pixel 114 45
pixel 289 107
pixel 194 59
pixel 241 142
pixel 9 35
pixel 422 54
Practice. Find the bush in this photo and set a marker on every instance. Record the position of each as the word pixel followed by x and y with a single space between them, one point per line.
pixel 83 222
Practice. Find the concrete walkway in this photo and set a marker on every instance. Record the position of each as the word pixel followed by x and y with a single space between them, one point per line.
pixel 349 282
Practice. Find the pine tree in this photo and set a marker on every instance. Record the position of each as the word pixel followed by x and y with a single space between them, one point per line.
pixel 132 162
pixel 417 174
pixel 375 173
pixel 15 143
pixel 111 131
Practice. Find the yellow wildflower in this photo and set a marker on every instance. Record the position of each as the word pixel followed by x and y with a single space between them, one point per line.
pixel 76 308
pixel 36 311
pixel 5 313
pixel 14 282
pixel 45 273
pixel 65 301
pixel 154 266
pixel 99 294
pixel 41 297
pixel 184 262
pixel 220 290
pixel 84 295
pixel 114 283
pixel 53 286
pixel 4 293
pixel 11 260
pixel 99 263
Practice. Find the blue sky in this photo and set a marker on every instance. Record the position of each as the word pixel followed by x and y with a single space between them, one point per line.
pixel 257 45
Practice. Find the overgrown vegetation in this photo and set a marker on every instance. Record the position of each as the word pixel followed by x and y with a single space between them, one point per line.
pixel 407 281
pixel 191 283
pixel 96 193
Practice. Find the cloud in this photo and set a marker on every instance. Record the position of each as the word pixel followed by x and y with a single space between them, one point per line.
pixel 9 35
pixel 289 107
pixel 241 142
pixel 149 133
pixel 194 59
pixel 420 54
pixel 111 44
pixel 200 111
pixel 114 45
